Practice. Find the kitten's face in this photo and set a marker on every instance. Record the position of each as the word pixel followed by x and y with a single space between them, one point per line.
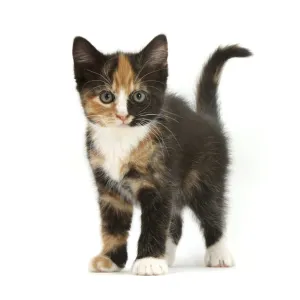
pixel 121 89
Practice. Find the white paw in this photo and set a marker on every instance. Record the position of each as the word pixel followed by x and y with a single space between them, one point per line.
pixel 170 252
pixel 102 263
pixel 218 256
pixel 150 266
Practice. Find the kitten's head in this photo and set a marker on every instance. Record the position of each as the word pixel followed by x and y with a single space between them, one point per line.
pixel 121 89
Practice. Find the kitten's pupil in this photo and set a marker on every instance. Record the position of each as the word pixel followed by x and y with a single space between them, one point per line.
pixel 139 95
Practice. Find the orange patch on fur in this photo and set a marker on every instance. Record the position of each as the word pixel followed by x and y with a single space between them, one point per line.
pixel 114 201
pixel 113 242
pixel 140 159
pixel 101 262
pixel 98 111
pixel 124 75
pixel 96 159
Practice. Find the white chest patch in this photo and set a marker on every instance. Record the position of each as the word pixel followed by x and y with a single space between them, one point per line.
pixel 115 144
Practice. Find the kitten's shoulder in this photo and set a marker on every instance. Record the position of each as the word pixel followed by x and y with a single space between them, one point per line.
pixel 187 117
pixel 176 103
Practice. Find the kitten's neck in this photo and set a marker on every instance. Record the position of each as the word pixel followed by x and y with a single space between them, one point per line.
pixel 116 144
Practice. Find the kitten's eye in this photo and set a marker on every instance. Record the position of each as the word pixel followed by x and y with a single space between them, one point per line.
pixel 107 97
pixel 139 96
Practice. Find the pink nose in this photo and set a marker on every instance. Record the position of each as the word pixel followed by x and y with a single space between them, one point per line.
pixel 122 117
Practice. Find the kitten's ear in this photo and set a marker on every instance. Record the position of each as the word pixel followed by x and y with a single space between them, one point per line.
pixel 155 54
pixel 84 52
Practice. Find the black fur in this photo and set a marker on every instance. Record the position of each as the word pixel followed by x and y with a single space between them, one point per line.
pixel 207 87
pixel 155 212
pixel 176 228
pixel 119 256
pixel 114 222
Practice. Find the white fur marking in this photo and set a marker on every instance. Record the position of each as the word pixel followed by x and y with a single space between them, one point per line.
pixel 116 143
pixel 170 252
pixel 150 266
pixel 218 255
pixel 122 103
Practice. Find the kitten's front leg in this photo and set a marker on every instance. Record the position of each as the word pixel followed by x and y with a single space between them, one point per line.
pixel 116 218
pixel 155 222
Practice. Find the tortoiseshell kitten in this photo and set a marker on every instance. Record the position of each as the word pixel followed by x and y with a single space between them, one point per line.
pixel 147 147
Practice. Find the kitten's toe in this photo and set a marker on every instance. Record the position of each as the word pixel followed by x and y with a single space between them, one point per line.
pixel 218 257
pixel 150 266
pixel 102 263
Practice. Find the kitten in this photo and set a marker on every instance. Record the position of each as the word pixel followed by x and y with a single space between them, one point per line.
pixel 148 147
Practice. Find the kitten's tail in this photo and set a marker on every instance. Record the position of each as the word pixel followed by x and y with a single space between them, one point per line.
pixel 208 85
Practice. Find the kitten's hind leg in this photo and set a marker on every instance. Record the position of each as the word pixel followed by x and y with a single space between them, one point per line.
pixel 175 232
pixel 209 207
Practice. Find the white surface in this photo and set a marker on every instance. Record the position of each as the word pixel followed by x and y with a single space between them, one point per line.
pixel 49 224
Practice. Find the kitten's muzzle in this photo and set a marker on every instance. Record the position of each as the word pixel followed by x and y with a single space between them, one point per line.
pixel 122 117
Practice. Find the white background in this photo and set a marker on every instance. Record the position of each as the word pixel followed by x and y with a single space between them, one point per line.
pixel 49 220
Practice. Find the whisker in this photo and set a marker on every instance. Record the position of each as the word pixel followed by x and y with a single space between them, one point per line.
pixel 151 73
pixel 170 132
pixel 107 81
pixel 92 115
pixel 93 89
pixel 160 115
pixel 159 137
pixel 166 111
pixel 153 81
pixel 146 107
pixel 138 74
pixel 93 81
pixel 156 132
pixel 151 86
pixel 104 67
